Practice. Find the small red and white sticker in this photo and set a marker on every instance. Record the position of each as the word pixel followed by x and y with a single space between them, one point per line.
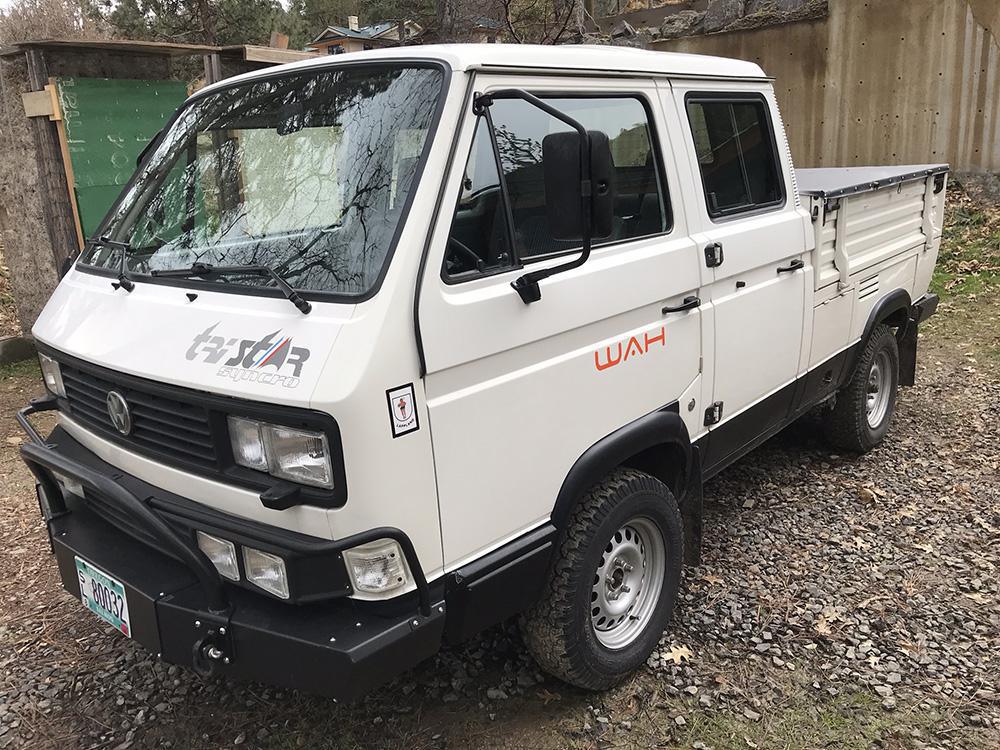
pixel 402 410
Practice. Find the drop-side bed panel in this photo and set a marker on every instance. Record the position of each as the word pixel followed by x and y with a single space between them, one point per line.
pixel 866 216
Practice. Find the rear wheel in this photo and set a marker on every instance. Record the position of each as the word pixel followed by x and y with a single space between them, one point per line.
pixel 613 586
pixel 864 408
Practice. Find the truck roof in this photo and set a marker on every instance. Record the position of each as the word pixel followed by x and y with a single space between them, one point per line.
pixel 539 57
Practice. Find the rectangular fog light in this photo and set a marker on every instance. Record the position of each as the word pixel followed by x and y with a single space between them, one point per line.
pixel 376 567
pixel 222 553
pixel 266 571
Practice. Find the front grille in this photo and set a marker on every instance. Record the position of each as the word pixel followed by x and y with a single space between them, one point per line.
pixel 167 428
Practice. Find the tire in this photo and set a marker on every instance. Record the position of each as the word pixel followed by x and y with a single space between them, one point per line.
pixel 628 517
pixel 864 407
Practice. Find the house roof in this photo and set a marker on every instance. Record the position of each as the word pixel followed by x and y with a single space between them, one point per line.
pixel 372 31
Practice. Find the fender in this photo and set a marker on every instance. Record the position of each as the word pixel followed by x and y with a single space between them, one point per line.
pixel 658 444
pixel 893 308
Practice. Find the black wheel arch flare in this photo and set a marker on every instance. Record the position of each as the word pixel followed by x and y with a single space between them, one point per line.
pixel 658 444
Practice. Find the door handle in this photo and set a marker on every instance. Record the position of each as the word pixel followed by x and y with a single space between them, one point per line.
pixel 689 303
pixel 795 265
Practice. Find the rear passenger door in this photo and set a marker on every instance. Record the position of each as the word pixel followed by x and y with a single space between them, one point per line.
pixel 758 287
pixel 517 393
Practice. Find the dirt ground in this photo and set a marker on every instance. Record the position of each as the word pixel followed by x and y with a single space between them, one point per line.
pixel 842 602
pixel 9 324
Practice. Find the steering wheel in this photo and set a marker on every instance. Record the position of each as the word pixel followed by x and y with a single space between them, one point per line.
pixel 461 249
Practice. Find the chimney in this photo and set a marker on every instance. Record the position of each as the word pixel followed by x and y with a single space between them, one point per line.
pixel 352 23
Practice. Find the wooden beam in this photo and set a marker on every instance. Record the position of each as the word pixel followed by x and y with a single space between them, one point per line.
pixel 252 53
pixel 41 103
pixel 213 68
pixel 66 160
pixel 57 209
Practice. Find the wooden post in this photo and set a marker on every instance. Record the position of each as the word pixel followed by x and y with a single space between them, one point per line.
pixel 57 211
pixel 213 68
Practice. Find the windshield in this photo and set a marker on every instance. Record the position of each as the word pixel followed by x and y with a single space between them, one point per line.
pixel 308 174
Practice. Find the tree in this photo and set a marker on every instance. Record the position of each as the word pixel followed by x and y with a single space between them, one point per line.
pixel 24 20
pixel 193 21
pixel 545 21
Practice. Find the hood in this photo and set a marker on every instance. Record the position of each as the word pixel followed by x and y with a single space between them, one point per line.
pixel 239 345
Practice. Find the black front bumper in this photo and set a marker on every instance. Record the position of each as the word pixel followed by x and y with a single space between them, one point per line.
pixel 181 610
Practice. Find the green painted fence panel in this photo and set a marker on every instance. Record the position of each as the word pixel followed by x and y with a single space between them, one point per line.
pixel 108 123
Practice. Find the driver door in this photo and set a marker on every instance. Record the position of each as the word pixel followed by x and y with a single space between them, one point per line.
pixel 517 392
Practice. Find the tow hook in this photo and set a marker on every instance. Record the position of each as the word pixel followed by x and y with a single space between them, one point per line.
pixel 211 652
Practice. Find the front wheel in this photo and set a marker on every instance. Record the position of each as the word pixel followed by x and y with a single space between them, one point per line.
pixel 613 586
pixel 863 411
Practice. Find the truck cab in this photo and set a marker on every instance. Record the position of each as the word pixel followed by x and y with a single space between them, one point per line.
pixel 376 351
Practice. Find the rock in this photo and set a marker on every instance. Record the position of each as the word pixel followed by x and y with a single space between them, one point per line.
pixel 781 6
pixel 685 23
pixel 496 694
pixel 721 13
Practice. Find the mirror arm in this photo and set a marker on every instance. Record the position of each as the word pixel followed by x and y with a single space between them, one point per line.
pixel 527 285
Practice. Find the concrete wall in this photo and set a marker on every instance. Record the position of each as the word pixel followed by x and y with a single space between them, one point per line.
pixel 885 81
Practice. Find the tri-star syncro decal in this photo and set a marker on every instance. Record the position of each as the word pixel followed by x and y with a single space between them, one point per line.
pixel 270 360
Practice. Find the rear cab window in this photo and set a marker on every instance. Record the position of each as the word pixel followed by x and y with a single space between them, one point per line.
pixel 736 152
pixel 500 221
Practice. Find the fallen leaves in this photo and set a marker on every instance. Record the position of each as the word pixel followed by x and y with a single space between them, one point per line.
pixel 680 654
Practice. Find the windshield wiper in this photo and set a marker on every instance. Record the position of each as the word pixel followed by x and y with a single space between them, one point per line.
pixel 125 283
pixel 207 269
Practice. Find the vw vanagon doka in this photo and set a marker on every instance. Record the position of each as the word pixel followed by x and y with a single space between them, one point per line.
pixel 376 351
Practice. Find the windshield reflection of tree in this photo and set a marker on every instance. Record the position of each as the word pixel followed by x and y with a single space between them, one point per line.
pixel 307 175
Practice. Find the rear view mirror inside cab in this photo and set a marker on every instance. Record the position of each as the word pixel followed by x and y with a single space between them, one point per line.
pixel 561 155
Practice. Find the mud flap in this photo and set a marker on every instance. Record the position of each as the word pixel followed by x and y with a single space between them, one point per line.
pixel 907 343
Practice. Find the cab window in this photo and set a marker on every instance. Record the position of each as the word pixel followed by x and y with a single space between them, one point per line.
pixel 737 154
pixel 500 221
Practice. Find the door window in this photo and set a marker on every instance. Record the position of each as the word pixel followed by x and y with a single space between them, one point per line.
pixel 501 220
pixel 736 154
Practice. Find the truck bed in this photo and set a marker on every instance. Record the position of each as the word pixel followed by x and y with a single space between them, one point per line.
pixel 868 218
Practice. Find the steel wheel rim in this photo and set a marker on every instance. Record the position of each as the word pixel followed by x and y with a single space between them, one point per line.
pixel 627 583
pixel 878 390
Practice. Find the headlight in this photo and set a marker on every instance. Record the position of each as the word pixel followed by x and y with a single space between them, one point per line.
pixel 266 570
pixel 52 376
pixel 283 452
pixel 376 567
pixel 222 553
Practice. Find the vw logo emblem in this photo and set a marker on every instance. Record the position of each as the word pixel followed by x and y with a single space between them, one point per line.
pixel 118 411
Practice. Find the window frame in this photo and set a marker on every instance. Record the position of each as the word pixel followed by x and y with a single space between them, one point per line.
pixel 519 263
pixel 738 97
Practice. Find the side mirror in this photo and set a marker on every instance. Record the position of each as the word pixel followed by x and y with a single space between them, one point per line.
pixel 561 159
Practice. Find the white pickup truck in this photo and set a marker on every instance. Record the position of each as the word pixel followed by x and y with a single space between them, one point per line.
pixel 378 350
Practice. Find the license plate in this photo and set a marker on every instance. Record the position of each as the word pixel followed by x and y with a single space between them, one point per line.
pixel 104 596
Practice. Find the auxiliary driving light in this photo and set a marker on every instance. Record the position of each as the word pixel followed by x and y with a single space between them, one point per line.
pixel 266 571
pixel 221 552
pixel 377 566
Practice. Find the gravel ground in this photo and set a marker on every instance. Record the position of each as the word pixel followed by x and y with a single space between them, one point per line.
pixel 842 602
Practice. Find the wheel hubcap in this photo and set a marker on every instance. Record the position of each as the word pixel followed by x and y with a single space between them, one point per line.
pixel 879 390
pixel 627 583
